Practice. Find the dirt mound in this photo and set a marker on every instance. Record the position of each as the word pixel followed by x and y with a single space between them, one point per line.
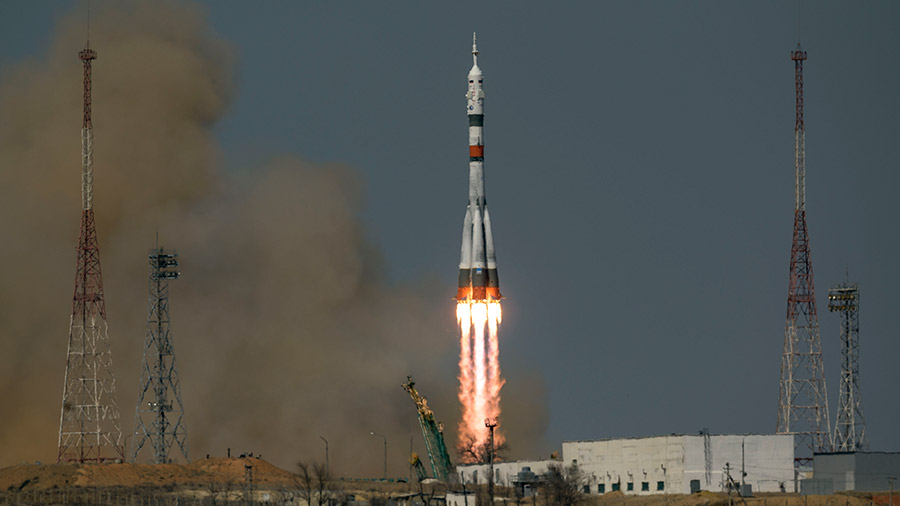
pixel 199 472
pixel 234 470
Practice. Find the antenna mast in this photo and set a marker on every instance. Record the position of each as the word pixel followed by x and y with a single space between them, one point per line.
pixel 89 418
pixel 802 400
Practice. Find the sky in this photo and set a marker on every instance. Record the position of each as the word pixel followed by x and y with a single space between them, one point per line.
pixel 639 171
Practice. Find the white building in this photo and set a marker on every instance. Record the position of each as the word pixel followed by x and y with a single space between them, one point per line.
pixel 679 463
pixel 459 498
pixel 505 473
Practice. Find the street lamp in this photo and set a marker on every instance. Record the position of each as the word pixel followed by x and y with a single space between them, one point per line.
pixel 385 451
pixel 491 424
pixel 326 452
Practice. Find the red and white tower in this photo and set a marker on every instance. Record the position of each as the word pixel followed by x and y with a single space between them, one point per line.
pixel 802 400
pixel 89 419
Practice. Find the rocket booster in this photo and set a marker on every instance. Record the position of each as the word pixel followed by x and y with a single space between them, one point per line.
pixel 477 262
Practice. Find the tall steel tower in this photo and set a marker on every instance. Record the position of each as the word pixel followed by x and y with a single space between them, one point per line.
pixel 89 419
pixel 802 400
pixel 850 429
pixel 159 415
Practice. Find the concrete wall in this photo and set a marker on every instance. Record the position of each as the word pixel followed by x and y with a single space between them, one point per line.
pixel 767 459
pixel 641 462
pixel 667 464
pixel 860 471
pixel 504 472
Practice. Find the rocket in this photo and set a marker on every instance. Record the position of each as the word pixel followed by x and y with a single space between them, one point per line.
pixel 478 279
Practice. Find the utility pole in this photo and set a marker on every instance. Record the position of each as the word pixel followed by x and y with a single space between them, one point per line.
pixel 743 473
pixel 728 482
pixel 665 483
pixel 891 497
pixel 385 452
pixel 326 452
pixel 491 425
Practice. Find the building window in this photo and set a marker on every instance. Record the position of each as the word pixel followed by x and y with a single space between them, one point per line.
pixel 645 486
pixel 601 488
pixel 587 489
pixel 660 485
pixel 630 486
pixel 616 487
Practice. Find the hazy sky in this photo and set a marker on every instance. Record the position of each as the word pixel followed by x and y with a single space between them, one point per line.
pixel 639 170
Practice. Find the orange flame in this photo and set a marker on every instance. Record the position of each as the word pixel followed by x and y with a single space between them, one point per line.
pixel 480 380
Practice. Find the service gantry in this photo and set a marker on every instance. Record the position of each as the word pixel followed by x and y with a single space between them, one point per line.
pixel 89 428
pixel 802 399
pixel 433 432
pixel 159 414
pixel 850 427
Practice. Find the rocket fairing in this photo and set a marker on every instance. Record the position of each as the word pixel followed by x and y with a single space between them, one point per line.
pixel 478 279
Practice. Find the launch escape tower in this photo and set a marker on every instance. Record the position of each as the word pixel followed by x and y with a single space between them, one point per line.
pixel 89 418
pixel 159 415
pixel 802 399
pixel 850 428
pixel 433 432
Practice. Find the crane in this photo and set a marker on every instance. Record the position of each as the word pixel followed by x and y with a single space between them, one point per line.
pixel 416 463
pixel 433 432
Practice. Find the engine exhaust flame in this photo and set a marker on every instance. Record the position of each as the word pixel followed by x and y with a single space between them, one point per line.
pixel 480 380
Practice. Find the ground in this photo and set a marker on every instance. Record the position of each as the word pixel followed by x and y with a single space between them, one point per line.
pixel 220 481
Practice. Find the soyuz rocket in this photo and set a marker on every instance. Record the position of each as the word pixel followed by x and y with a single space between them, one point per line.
pixel 478 279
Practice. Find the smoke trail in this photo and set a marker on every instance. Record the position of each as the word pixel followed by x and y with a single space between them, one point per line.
pixel 282 328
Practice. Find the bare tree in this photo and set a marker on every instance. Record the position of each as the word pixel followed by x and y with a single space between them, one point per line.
pixel 305 481
pixel 472 452
pixel 429 491
pixel 314 482
pixel 214 489
pixel 323 483
pixel 562 486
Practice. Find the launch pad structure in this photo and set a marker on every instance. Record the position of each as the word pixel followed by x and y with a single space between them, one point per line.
pixel 432 432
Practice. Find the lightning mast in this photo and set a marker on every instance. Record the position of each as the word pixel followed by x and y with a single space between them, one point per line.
pixel 802 400
pixel 159 415
pixel 89 419
pixel 850 428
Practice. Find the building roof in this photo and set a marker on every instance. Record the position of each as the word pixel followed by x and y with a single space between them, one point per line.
pixel 666 435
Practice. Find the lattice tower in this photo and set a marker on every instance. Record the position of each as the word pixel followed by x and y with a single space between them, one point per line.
pixel 89 419
pixel 850 427
pixel 707 456
pixel 159 415
pixel 802 400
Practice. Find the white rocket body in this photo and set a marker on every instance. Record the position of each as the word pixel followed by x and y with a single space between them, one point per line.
pixel 477 263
